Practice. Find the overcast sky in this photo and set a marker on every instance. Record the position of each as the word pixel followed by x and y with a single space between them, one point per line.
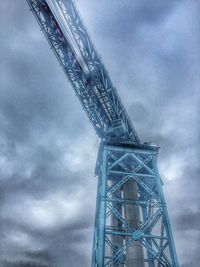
pixel 48 148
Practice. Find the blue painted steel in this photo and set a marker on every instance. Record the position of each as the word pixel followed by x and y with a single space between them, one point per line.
pixel 94 89
pixel 125 164
pixel 122 161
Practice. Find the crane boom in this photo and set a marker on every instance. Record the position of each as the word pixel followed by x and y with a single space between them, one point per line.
pixel 84 68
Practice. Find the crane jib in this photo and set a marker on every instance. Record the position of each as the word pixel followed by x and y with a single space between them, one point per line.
pixel 60 18
pixel 75 52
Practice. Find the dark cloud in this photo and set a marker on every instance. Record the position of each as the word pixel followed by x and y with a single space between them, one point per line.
pixel 189 220
pixel 47 189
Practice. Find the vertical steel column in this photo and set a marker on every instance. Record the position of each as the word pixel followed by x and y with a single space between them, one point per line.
pixel 99 229
pixel 166 220
pixel 102 212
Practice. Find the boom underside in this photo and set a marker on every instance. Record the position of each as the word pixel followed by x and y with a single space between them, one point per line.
pixel 93 86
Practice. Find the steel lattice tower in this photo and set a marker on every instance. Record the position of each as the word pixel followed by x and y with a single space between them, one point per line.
pixel 132 226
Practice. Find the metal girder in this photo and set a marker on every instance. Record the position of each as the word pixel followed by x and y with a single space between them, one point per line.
pixel 70 64
pixel 99 74
pixel 63 27
pixel 153 232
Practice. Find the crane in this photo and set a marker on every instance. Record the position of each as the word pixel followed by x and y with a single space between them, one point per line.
pixel 132 226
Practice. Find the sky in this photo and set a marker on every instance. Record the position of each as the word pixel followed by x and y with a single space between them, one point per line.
pixel 48 148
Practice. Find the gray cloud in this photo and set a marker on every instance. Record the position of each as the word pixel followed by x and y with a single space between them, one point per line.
pixel 48 148
pixel 24 264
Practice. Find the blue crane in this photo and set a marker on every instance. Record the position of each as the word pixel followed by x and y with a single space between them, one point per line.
pixel 132 226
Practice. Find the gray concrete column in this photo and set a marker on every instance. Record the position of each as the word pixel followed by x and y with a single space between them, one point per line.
pixel 135 254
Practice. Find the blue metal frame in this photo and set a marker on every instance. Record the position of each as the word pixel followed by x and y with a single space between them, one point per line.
pixel 117 166
pixel 94 89
pixel 123 162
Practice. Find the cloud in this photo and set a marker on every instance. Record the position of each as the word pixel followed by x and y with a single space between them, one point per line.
pixel 48 147
pixel 25 264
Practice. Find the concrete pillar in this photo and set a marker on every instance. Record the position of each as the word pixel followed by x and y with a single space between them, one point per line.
pixel 134 255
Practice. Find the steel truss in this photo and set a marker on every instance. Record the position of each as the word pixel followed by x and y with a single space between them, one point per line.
pixel 94 88
pixel 132 226
pixel 117 168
